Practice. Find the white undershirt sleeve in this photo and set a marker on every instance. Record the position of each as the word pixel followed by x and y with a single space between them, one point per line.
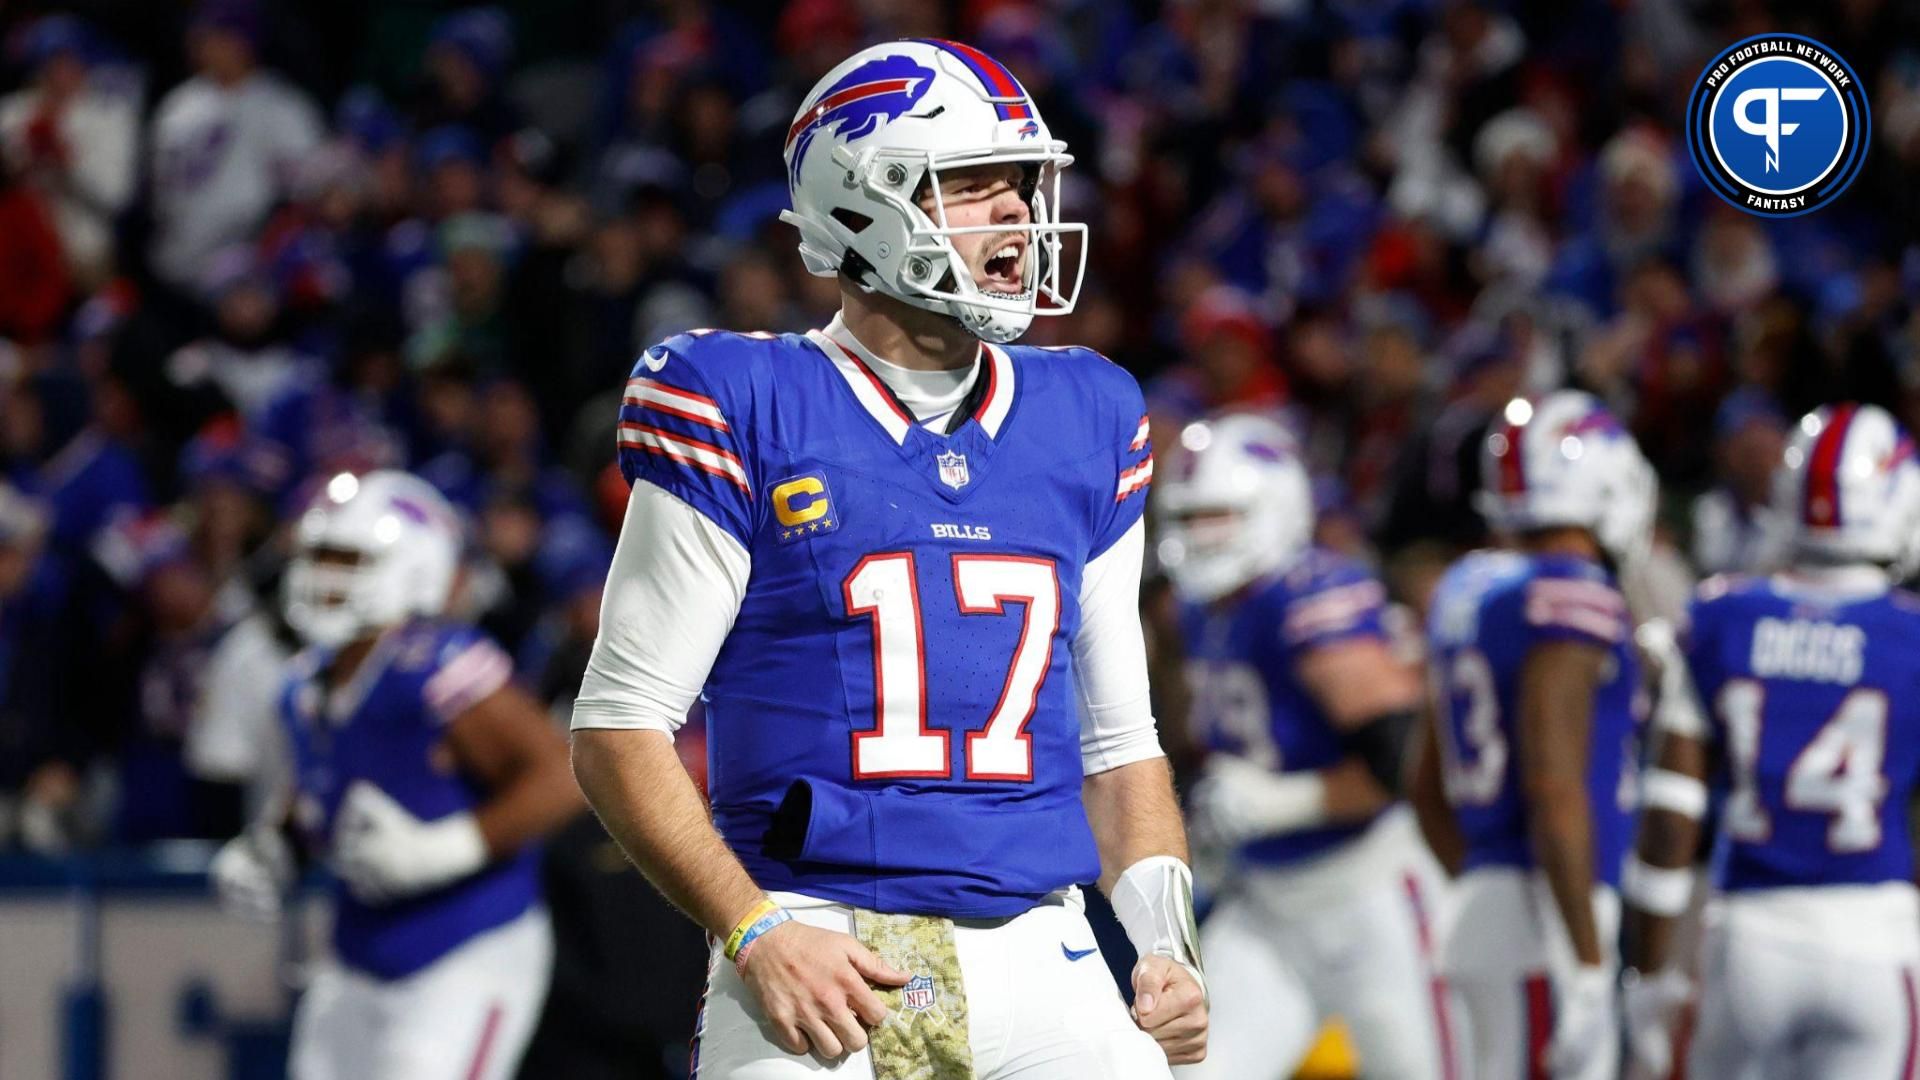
pixel 671 598
pixel 1110 660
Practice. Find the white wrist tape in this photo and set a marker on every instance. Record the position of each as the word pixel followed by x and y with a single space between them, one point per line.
pixel 1657 890
pixel 1679 714
pixel 1154 902
pixel 1238 801
pixel 1289 801
pixel 1678 707
pixel 460 845
pixel 1664 789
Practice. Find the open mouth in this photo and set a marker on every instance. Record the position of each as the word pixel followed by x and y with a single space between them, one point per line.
pixel 1005 269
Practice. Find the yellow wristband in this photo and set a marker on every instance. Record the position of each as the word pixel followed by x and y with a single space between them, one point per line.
pixel 759 911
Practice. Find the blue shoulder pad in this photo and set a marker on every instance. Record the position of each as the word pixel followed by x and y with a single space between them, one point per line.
pixel 1706 611
pixel 1332 598
pixel 681 425
pixel 1117 413
pixel 1570 599
pixel 462 666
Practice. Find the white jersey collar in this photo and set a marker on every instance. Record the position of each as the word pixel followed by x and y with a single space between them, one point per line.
pixel 344 701
pixel 1846 581
pixel 871 378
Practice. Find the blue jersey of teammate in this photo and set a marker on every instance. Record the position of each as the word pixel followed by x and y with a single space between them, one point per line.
pixel 1247 697
pixel 1814 697
pixel 1489 611
pixel 386 726
pixel 900 664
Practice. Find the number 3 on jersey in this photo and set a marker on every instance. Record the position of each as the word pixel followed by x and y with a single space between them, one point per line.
pixel 1475 757
pixel 885 588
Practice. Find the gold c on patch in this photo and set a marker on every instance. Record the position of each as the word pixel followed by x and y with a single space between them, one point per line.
pixel 802 507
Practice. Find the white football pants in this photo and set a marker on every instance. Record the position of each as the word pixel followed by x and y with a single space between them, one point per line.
pixel 1034 1011
pixel 1348 934
pixel 466 1016
pixel 1813 982
pixel 1503 953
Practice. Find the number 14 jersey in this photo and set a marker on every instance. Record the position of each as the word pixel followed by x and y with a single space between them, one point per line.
pixel 1814 699
pixel 893 720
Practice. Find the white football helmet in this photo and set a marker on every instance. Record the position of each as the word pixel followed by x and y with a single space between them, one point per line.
pixel 1850 485
pixel 1564 460
pixel 884 122
pixel 1235 505
pixel 370 551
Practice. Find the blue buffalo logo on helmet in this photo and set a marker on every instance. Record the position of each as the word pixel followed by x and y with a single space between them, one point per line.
pixel 858 104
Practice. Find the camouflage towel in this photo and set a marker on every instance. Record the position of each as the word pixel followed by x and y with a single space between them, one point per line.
pixel 924 1036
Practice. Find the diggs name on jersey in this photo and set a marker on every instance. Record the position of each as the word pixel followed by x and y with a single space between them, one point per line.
pixel 1815 701
pixel 1804 649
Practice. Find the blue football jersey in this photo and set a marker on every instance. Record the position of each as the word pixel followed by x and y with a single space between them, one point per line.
pixel 386 726
pixel 1814 699
pixel 1247 699
pixel 1489 611
pixel 901 659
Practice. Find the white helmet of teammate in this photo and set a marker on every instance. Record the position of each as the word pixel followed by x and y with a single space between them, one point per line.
pixel 1564 460
pixel 1236 505
pixel 886 121
pixel 370 551
pixel 1850 485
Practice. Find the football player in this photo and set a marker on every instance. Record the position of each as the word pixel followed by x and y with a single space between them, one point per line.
pixel 1534 681
pixel 426 780
pixel 1810 735
pixel 1305 709
pixel 900 559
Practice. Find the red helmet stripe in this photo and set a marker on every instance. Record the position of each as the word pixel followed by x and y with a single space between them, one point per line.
pixel 993 75
pixel 1822 506
pixel 1513 469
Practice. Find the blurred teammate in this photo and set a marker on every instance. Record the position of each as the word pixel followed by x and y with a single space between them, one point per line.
pixel 1534 681
pixel 1305 710
pixel 426 780
pixel 1811 735
pixel 900 560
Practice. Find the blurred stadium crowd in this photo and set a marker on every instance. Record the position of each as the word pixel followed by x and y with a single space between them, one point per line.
pixel 245 245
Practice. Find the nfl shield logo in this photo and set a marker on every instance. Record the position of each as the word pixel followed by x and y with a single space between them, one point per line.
pixel 953 469
pixel 918 993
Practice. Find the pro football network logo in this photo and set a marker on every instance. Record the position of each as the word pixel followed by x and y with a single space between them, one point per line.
pixel 1778 125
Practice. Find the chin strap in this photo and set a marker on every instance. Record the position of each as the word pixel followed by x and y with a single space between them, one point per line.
pixel 1154 902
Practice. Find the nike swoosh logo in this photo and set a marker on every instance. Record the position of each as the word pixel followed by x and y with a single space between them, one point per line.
pixel 1078 954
